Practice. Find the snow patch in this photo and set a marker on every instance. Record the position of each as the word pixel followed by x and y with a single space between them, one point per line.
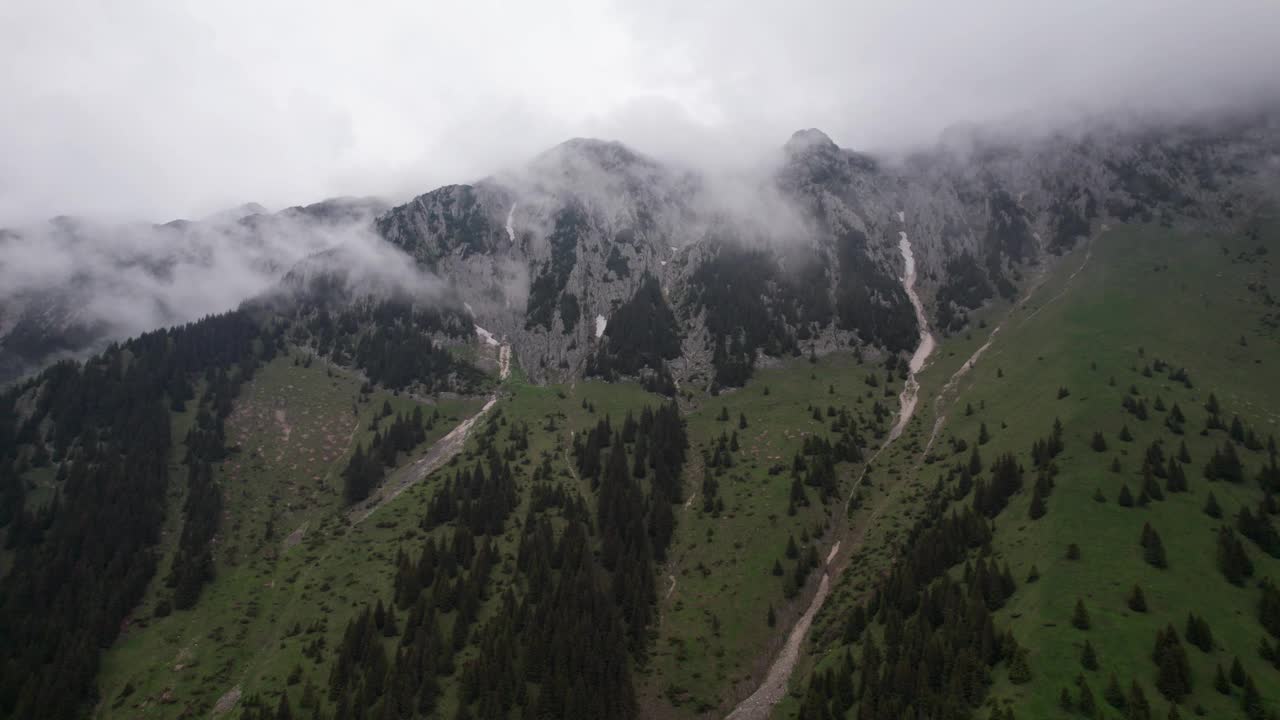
pixel 601 324
pixel 486 336
pixel 902 216
pixel 511 230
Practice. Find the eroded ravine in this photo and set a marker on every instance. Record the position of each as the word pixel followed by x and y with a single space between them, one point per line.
pixel 442 451
pixel 911 388
pixel 774 686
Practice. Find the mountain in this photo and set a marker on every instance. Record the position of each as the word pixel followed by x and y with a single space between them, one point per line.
pixel 982 431
pixel 805 260
pixel 72 285
pixel 545 255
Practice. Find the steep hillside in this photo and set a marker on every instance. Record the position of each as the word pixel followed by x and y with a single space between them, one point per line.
pixel 806 260
pixel 1123 393
pixel 605 439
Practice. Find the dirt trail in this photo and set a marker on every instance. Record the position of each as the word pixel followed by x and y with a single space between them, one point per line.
pixel 283 420
pixel 504 362
pixel 439 455
pixel 940 418
pixel 227 702
pixel 1088 253
pixel 761 702
pixel 911 388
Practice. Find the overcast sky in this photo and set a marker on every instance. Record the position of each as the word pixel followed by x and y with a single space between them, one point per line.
pixel 159 109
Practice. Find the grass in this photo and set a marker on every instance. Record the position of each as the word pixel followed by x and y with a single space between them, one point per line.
pixel 1177 297
pixel 713 642
pixel 1146 292
pixel 275 484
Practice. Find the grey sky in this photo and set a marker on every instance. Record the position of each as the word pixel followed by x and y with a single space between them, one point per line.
pixel 160 108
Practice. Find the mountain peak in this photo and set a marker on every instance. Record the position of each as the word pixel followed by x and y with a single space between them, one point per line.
pixel 809 140
pixel 609 155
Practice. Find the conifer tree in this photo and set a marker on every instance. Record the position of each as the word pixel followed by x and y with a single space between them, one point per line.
pixel 1126 498
pixel 1211 507
pixel 1269 608
pixel 1173 675
pixel 1020 668
pixel 1232 559
pixel 1086 703
pixel 1198 633
pixel 1153 548
pixel 1220 681
pixel 1113 694
pixel 1237 674
pixel 1137 707
pixel 1037 509
pixel 1251 701
pixel 1080 616
pixel 1137 602
pixel 1088 658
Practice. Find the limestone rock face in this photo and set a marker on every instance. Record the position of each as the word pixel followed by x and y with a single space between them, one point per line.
pixel 805 260
pixel 556 258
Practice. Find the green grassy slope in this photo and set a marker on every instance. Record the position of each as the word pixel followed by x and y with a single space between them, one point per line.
pixel 1145 293
pixel 714 641
pixel 296 427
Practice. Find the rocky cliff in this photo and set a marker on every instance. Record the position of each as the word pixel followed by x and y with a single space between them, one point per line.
pixel 554 256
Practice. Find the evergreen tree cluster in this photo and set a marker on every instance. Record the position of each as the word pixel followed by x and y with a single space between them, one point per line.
pixel 870 301
pixel 479 499
pixel 938 640
pixel 1173 669
pixel 564 635
pixel 747 306
pixel 366 469
pixel 82 562
pixel 752 305
pixel 440 597
pixel 966 287
pixel 394 341
pixel 641 336
pixel 989 498
pixel 546 292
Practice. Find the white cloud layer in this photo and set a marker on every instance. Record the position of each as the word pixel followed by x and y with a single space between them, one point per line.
pixel 163 108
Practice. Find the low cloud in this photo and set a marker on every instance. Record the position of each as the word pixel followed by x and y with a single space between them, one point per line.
pixel 142 109
pixel 120 280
